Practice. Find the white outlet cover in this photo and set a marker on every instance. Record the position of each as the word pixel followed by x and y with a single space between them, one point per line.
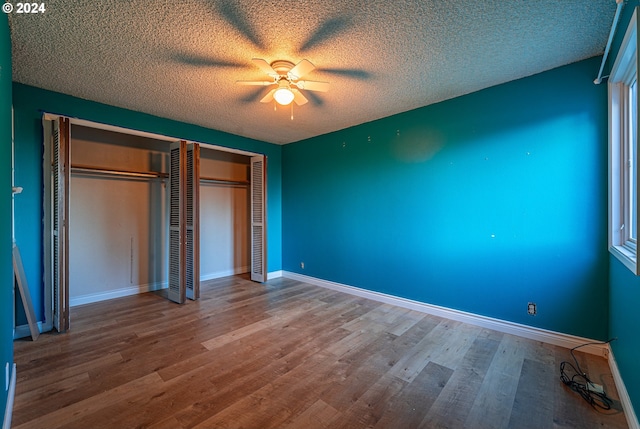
pixel 531 309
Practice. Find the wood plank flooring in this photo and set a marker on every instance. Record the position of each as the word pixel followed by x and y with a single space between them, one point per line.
pixel 291 355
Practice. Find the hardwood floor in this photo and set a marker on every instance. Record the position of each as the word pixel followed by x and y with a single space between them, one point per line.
pixel 290 355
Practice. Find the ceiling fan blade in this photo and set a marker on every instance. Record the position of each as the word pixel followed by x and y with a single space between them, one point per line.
pixel 298 97
pixel 312 85
pixel 269 97
pixel 255 82
pixel 264 66
pixel 301 69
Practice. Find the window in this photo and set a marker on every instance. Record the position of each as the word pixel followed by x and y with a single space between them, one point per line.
pixel 623 151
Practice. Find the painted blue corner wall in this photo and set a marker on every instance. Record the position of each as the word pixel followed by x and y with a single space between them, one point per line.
pixel 6 268
pixel 482 203
pixel 29 103
pixel 624 287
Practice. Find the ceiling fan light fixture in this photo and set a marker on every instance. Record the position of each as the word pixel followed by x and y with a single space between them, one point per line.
pixel 283 95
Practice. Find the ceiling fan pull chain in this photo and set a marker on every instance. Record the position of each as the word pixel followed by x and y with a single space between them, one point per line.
pixel 292 111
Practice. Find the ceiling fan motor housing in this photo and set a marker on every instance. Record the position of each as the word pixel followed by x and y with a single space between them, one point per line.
pixel 282 67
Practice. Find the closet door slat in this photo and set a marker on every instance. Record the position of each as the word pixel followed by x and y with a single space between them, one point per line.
pixel 193 224
pixel 258 219
pixel 177 222
pixel 61 160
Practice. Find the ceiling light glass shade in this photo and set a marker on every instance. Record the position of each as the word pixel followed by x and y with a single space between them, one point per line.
pixel 283 96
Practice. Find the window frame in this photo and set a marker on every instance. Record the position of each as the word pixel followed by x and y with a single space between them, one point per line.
pixel 623 150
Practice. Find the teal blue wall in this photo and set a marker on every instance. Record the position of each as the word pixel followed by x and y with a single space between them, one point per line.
pixel 624 317
pixel 482 203
pixel 30 102
pixel 6 270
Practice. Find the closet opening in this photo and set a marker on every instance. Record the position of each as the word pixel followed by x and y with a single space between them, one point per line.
pixel 108 215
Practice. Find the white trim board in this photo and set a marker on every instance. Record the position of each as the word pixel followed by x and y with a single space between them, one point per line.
pixel 274 275
pixel 8 412
pixel 116 293
pixel 536 334
pixel 134 290
pixel 24 331
pixel 225 273
pixel 627 405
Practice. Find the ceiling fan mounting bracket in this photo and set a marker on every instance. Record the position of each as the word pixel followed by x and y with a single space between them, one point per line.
pixel 282 67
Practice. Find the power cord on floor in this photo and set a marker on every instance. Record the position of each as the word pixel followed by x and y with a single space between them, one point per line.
pixel 579 382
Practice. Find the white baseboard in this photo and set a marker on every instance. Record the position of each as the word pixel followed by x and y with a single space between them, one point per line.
pixel 134 290
pixel 625 400
pixel 8 412
pixel 115 293
pixel 274 275
pixel 225 273
pixel 23 331
pixel 536 334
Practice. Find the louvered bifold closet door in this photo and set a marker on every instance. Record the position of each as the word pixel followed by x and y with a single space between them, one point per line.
pixel 177 222
pixel 258 219
pixel 193 222
pixel 61 163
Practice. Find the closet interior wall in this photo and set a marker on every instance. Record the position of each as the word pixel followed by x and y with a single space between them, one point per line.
pixel 118 236
pixel 224 214
pixel 118 225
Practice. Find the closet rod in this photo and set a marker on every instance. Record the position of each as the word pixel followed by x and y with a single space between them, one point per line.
pixel 76 168
pixel 129 173
pixel 229 181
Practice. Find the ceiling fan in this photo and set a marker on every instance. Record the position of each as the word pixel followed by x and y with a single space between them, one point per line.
pixel 286 77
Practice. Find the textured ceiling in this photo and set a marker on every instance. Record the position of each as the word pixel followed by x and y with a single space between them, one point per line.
pixel 180 59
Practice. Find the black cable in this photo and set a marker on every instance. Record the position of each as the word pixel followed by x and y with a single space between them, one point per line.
pixel 581 383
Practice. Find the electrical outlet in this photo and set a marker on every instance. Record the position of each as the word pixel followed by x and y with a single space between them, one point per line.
pixel 302 265
pixel 532 309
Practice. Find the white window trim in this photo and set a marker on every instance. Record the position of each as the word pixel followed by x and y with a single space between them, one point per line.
pixel 624 69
